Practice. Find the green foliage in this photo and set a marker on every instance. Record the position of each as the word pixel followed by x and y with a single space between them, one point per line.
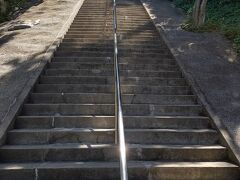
pixel 237 43
pixel 186 5
pixel 222 15
pixel 12 6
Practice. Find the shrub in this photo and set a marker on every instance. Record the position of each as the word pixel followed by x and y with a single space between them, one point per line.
pixel 10 7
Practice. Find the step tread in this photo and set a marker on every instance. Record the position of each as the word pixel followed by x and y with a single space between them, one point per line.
pixel 99 146
pixel 87 130
pixel 111 130
pixel 131 164
pixel 106 69
pixel 91 104
pixel 112 94
pixel 102 77
pixel 165 117
pixel 105 58
pixel 103 63
pixel 123 85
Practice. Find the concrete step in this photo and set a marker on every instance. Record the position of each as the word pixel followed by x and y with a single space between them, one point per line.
pixel 121 36
pixel 108 28
pixel 110 49
pixel 109 13
pixel 123 18
pixel 172 136
pixel 134 46
pixel 107 72
pixel 104 60
pixel 91 11
pixel 147 81
pixel 98 88
pixel 109 152
pixel 105 52
pixel 110 170
pixel 60 135
pixel 87 17
pixel 123 26
pixel 108 24
pixel 106 98
pixel 47 122
pixel 133 136
pixel 109 65
pixel 147 122
pixel 108 109
pixel 101 22
pixel 110 54
pixel 97 8
pixel 109 20
pixel 109 40
pixel 140 40
pixel 109 17
pixel 131 12
pixel 108 32
pixel 84 53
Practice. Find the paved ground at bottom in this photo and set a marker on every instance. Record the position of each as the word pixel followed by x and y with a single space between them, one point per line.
pixel 208 59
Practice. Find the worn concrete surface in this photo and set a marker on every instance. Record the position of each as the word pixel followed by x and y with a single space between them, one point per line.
pixel 22 51
pixel 208 59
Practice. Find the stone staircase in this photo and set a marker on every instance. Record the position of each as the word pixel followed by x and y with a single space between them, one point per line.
pixel 65 130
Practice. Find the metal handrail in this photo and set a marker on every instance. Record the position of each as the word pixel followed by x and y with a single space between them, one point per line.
pixel 119 127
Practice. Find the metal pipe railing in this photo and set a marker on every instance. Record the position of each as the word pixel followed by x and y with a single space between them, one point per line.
pixel 119 127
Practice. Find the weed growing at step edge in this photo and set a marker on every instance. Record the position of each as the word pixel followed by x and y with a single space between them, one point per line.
pixel 222 16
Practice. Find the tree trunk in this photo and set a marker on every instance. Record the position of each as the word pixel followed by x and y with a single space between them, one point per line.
pixel 3 6
pixel 199 11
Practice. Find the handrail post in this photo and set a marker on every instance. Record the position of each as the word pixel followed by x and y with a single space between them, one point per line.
pixel 119 126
